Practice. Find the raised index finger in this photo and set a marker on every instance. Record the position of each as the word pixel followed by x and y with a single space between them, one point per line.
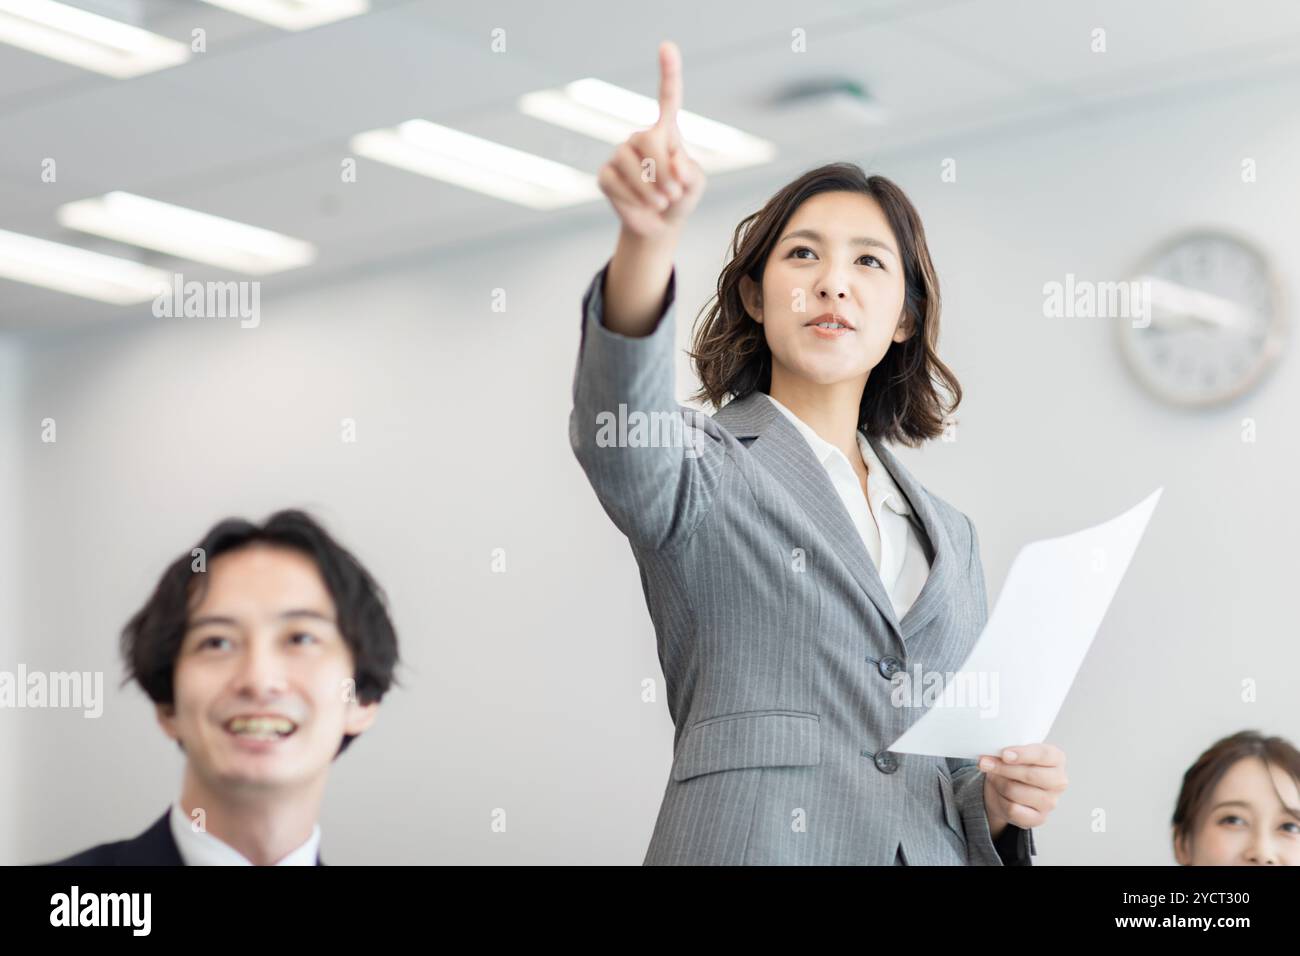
pixel 670 83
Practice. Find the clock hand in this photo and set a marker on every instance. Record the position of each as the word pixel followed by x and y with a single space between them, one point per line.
pixel 1175 306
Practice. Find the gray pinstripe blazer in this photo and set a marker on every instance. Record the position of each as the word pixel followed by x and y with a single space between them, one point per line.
pixel 777 638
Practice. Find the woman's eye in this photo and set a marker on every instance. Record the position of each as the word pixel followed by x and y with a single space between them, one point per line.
pixel 799 249
pixel 302 637
pixel 212 641
pixel 1232 817
pixel 1292 828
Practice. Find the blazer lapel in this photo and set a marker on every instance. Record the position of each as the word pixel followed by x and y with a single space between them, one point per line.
pixel 154 847
pixel 779 447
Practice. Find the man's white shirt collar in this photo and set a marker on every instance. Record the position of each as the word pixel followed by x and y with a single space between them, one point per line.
pixel 200 848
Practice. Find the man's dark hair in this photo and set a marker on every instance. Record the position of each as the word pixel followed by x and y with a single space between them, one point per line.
pixel 151 640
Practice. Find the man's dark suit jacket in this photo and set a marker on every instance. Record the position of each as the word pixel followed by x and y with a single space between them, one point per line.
pixel 153 847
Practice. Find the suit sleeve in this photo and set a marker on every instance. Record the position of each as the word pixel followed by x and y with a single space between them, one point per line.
pixel 655 465
pixel 1014 845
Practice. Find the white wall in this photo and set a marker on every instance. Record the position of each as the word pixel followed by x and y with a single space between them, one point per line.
pixel 522 690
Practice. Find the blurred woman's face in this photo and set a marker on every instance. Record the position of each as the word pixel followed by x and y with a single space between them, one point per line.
pixel 1246 823
pixel 837 259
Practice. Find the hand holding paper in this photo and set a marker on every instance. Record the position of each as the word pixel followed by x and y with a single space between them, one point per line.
pixel 1022 785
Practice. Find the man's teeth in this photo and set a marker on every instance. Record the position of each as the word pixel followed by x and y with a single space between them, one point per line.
pixel 266 727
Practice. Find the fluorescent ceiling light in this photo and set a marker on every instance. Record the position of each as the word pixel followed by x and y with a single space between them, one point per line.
pixel 612 114
pixel 87 40
pixel 479 164
pixel 294 14
pixel 78 271
pixel 186 234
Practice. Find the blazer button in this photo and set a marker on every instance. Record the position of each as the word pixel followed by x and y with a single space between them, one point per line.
pixel 886 762
pixel 889 666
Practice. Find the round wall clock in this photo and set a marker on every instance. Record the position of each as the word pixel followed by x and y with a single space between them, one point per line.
pixel 1214 321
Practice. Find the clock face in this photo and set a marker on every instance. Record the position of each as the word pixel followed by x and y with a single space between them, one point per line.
pixel 1214 322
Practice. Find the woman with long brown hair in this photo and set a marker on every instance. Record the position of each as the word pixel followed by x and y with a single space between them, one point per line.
pixel 793 569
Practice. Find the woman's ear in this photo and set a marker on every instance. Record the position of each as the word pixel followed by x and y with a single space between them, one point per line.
pixel 751 296
pixel 903 331
pixel 1180 849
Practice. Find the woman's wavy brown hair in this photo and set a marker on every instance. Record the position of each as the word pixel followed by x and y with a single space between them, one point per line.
pixel 902 401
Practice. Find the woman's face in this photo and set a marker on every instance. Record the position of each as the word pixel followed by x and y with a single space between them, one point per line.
pixel 837 255
pixel 1246 823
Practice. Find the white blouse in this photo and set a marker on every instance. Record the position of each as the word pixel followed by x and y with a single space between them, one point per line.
pixel 883 517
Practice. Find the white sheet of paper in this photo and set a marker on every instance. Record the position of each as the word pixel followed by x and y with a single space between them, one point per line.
pixel 1012 686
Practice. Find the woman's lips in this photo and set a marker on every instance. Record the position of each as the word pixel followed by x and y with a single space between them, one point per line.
pixel 829 318
pixel 828 333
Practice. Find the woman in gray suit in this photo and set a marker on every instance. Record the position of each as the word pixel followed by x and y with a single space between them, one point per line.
pixel 797 575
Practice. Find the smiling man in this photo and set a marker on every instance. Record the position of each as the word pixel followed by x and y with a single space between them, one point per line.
pixel 266 650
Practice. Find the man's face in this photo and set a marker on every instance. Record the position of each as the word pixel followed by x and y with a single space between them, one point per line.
pixel 263 682
pixel 1246 823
